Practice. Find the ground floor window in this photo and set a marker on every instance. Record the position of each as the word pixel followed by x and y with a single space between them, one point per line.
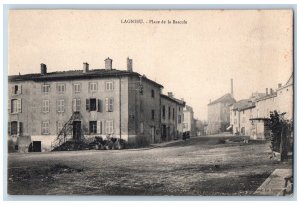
pixel 45 127
pixel 93 127
pixel 14 128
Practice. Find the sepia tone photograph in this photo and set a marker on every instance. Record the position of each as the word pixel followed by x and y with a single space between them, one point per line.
pixel 150 102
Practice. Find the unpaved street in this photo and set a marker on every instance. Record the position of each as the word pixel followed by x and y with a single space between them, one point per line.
pixel 200 166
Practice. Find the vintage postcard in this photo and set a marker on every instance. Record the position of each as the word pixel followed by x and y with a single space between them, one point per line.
pixel 150 102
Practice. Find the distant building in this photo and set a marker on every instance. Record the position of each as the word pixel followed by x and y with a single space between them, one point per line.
pixel 171 117
pixel 240 115
pixel 188 121
pixel 219 114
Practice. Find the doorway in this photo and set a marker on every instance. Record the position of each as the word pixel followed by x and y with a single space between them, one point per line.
pixel 36 146
pixel 76 130
pixel 152 134
pixel 164 132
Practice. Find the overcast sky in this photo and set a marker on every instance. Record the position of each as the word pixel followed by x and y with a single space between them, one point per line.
pixel 195 61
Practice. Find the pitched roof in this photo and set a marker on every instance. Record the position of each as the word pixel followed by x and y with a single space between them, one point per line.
pixel 181 102
pixel 227 98
pixel 77 74
pixel 288 83
pixel 243 105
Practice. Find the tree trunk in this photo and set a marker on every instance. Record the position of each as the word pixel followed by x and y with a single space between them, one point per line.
pixel 283 143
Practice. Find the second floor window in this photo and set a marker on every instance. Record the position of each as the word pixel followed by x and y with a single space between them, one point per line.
pixel 60 105
pixel 45 106
pixel 45 88
pixel 179 119
pixel 93 87
pixel 152 94
pixel 61 88
pixel 169 113
pixel 163 112
pixel 76 88
pixel 109 85
pixel 17 89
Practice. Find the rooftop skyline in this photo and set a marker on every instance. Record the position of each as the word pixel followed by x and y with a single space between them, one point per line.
pixel 195 61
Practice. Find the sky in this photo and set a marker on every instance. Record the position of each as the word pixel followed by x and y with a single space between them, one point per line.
pixel 195 60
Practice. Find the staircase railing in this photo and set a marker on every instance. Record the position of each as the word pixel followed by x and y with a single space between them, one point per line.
pixel 66 133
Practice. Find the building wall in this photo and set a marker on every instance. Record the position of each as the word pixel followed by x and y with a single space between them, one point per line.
pixel 265 106
pixel 285 101
pixel 169 123
pixel 32 115
pixel 142 128
pixel 179 120
pixel 214 118
pixel 241 121
pixel 188 121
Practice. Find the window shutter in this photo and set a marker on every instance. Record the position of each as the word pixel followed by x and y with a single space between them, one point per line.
pixel 9 106
pixel 19 105
pixel 21 128
pixel 111 104
pixel 9 128
pixel 99 105
pixel 106 105
pixel 88 104
pixel 98 127
pixel 74 105
pixel 20 89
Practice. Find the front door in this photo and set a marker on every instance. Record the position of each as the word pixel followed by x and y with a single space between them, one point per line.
pixel 76 130
pixel 153 134
pixel 36 146
pixel 164 132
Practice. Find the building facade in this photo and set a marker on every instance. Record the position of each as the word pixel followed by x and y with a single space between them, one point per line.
pixel 219 114
pixel 171 114
pixel 107 102
pixel 188 120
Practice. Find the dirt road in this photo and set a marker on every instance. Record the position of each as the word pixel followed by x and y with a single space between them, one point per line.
pixel 200 166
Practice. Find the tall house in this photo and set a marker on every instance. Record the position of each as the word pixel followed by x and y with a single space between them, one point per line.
pixel 98 102
pixel 219 114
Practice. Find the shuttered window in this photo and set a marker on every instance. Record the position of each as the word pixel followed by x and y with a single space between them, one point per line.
pixel 109 126
pixel 109 104
pixel 60 105
pixel 45 106
pixel 45 127
pixel 16 106
pixel 76 105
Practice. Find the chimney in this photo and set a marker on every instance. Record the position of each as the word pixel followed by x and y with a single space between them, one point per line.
pixel 129 64
pixel 279 85
pixel 170 94
pixel 231 80
pixel 43 69
pixel 108 64
pixel 271 91
pixel 85 67
pixel 267 91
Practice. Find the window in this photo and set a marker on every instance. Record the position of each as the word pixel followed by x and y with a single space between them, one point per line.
pixel 169 113
pixel 93 127
pixel 152 93
pixel 60 105
pixel 109 85
pixel 92 87
pixel 152 114
pixel 179 119
pixel 45 127
pixel 142 127
pixel 109 126
pixel 109 104
pixel 60 125
pixel 76 88
pixel 173 115
pixel 76 104
pixel 179 108
pixel 17 89
pixel 45 106
pixel 45 88
pixel 93 105
pixel 163 112
pixel 14 128
pixel 15 106
pixel 61 88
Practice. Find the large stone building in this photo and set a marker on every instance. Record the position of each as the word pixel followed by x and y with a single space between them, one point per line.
pixel 98 102
pixel 219 114
pixel 171 117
